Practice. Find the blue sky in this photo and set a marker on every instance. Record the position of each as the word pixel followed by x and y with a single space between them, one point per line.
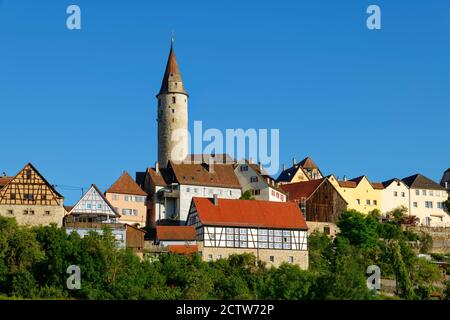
pixel 81 105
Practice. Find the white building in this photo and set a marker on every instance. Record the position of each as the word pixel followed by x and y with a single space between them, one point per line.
pixel 261 185
pixel 171 189
pixel 426 201
pixel 394 194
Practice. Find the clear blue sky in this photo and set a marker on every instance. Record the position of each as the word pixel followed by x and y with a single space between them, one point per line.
pixel 81 105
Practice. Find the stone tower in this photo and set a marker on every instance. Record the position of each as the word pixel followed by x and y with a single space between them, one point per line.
pixel 172 115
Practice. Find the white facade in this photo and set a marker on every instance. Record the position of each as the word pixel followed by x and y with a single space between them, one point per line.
pixel 394 195
pixel 261 189
pixel 177 207
pixel 428 206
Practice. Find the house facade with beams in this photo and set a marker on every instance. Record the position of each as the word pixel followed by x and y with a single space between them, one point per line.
pixel 30 199
pixel 129 200
pixel 262 187
pixel 275 232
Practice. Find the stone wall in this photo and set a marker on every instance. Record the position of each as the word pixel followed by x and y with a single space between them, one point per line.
pixel 34 215
pixel 440 235
pixel 280 256
pixel 320 226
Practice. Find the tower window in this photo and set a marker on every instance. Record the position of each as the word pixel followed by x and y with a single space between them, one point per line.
pixel 159 102
pixel 173 110
pixel 174 100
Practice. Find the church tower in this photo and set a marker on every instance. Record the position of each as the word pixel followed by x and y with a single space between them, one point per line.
pixel 172 114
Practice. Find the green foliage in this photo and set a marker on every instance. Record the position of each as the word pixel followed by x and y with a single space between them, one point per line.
pixel 359 229
pixel 247 195
pixel 447 204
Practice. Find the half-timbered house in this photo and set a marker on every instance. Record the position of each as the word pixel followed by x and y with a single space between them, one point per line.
pixel 275 232
pixel 30 199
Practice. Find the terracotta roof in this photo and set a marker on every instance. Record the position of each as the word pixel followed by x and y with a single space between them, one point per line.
pixel 418 181
pixel 347 184
pixel 172 75
pixel 68 208
pixel 183 249
pixel 303 189
pixel 156 178
pixel 308 163
pixel 250 213
pixel 186 233
pixel 4 181
pixel 222 175
pixel 377 185
pixel 126 185
pixel 220 158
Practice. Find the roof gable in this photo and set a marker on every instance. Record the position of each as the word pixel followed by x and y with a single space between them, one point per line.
pixel 300 190
pixel 418 181
pixel 126 185
pixel 94 202
pixel 29 187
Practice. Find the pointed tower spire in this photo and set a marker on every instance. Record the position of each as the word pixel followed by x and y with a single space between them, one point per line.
pixel 172 82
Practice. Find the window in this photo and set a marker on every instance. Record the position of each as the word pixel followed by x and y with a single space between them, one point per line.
pixel 13 196
pixel 368 202
pixel 25 211
pixel 244 168
pixel 173 110
pixel 395 193
pixel 439 204
pixel 99 205
pixel 174 100
pixel 271 258
pixel 47 213
pixel 326 230
pixel 291 259
pixel 32 212
pixel 358 202
pixel 429 204
pixel 126 212
pixel 188 190
pixel 424 192
pixel 430 192
pixel 88 205
pixel 43 197
pixel 135 212
pixel 375 202
pixel 417 192
pixel 403 194
pixel 115 197
pixel 254 179
pixel 28 174
pixel 127 198
pixel 11 212
pixel 210 257
pixel 415 204
pixel 256 192
pixel 28 196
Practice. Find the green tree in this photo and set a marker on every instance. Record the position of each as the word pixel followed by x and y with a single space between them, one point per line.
pixel 247 195
pixel 360 230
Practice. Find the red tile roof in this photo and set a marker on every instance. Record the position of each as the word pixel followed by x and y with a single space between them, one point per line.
pixel 377 185
pixel 4 181
pixel 347 184
pixel 221 175
pixel 250 213
pixel 300 190
pixel 186 233
pixel 126 185
pixel 183 249
pixel 157 178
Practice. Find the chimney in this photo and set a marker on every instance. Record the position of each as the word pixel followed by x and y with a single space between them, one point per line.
pixel 293 162
pixel 157 167
pixel 260 166
pixel 215 199
pixel 284 167
pixel 211 165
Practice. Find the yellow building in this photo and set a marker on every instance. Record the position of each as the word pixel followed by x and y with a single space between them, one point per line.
pixel 360 193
